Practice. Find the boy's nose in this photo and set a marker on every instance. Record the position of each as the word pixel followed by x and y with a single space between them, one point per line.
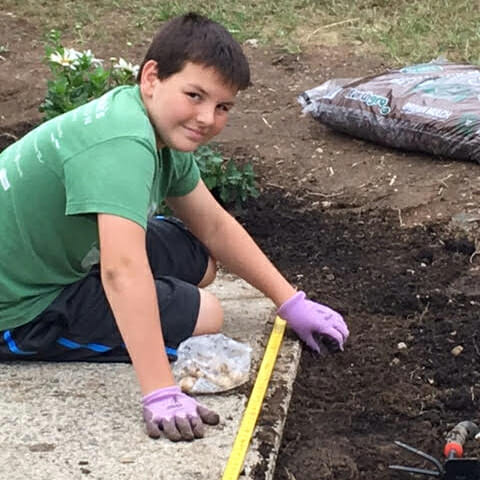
pixel 206 116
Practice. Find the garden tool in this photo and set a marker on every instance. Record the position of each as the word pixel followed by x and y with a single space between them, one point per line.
pixel 455 466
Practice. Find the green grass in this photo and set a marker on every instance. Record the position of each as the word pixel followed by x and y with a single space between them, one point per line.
pixel 403 31
pixel 416 31
pixel 268 21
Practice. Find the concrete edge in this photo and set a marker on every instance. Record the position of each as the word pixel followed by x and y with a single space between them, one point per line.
pixel 261 460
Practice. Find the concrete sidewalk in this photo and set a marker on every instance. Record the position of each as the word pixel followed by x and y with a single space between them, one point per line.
pixel 83 421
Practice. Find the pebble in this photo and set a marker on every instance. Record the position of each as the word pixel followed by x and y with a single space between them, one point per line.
pixel 456 351
pixel 401 345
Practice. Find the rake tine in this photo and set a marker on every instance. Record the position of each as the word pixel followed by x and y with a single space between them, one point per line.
pixel 422 471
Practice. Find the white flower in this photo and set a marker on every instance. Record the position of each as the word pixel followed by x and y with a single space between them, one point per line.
pixel 127 66
pixel 69 58
pixel 88 55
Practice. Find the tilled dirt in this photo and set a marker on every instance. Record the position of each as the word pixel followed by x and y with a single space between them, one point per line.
pixel 394 286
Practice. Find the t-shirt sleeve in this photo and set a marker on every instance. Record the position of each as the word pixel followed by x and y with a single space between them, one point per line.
pixel 187 174
pixel 113 177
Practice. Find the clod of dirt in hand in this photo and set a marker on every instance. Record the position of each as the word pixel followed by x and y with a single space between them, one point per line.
pixel 456 351
pixel 401 345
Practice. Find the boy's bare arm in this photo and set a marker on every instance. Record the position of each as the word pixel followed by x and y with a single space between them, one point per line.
pixel 130 290
pixel 229 243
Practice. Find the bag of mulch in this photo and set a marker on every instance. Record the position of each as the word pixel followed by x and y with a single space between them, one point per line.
pixel 432 107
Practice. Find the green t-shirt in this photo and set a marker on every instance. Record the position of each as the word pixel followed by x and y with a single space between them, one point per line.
pixel 98 158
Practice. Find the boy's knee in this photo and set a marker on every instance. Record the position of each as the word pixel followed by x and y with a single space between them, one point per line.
pixel 210 273
pixel 210 315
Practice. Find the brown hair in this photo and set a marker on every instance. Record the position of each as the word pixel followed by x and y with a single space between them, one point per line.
pixel 197 39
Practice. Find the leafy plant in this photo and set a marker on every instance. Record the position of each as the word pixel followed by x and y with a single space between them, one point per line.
pixel 228 182
pixel 79 77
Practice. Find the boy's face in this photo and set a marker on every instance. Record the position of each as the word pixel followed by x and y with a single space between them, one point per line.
pixel 188 108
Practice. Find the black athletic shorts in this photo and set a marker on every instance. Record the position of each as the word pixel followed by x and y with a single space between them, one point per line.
pixel 79 324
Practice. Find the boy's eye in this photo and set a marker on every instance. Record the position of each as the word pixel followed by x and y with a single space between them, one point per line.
pixel 224 108
pixel 193 95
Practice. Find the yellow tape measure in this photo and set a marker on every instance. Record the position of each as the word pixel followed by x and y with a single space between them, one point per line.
pixel 254 405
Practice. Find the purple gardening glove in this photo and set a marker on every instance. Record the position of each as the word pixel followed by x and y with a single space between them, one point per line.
pixel 320 327
pixel 178 415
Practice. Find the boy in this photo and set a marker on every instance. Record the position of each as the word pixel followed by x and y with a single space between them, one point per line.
pixel 85 274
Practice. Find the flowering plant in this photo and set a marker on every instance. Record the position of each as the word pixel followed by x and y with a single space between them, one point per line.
pixel 79 77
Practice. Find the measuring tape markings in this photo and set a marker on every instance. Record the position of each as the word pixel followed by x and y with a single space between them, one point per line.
pixel 254 405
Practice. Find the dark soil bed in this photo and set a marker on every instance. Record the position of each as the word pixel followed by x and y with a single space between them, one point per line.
pixel 393 285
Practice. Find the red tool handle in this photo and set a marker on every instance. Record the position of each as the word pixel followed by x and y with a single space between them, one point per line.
pixel 457 437
pixel 453 450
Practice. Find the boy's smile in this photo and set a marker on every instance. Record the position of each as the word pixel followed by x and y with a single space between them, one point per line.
pixel 188 108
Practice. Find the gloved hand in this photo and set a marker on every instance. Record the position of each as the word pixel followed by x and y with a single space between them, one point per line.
pixel 320 327
pixel 178 415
